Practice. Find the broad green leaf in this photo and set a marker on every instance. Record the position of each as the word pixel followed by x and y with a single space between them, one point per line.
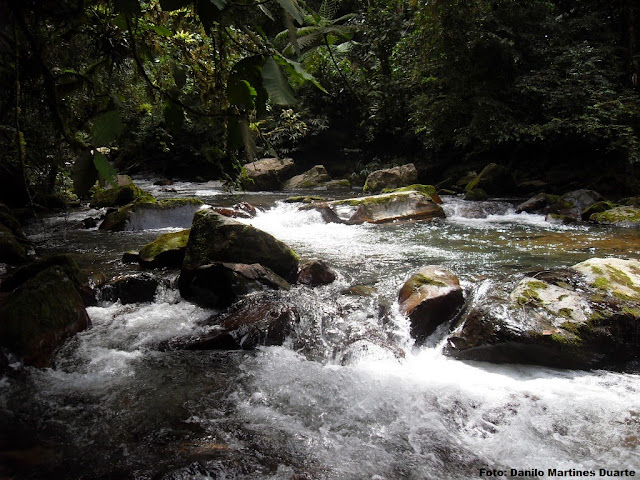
pixel 249 69
pixel 173 116
pixel 241 93
pixel 239 135
pixel 84 174
pixel 296 70
pixel 293 33
pixel 292 8
pixel 276 84
pixel 169 5
pixel 106 128
pixel 105 170
pixel 162 30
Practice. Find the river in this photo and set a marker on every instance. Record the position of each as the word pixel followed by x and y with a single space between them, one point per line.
pixel 348 396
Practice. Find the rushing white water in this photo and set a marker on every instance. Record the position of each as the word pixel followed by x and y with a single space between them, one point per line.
pixel 348 396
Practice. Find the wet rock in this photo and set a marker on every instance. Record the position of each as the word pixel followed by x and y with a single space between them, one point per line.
pixel 391 178
pixel 250 325
pixel 430 298
pixel 219 284
pixel 266 174
pixel 623 216
pixel 118 196
pixel 314 177
pixel 539 203
pixel 40 315
pixel 426 190
pixel 165 251
pixel 388 207
pixel 493 180
pixel 150 213
pixel 25 273
pixel 315 273
pixel 303 199
pixel 340 184
pixel 584 320
pixel 573 203
pixel 11 250
pixel 597 207
pixel 135 288
pixel 215 238
pixel 163 182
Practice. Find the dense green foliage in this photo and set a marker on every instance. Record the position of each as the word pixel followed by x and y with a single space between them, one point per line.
pixel 195 88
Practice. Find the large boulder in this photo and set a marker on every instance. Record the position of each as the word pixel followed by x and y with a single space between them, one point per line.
pixel 133 288
pixel 215 238
pixel 167 250
pixel 391 178
pixel 572 204
pixel 314 177
pixel 249 325
pixel 621 216
pixel 12 251
pixel 430 298
pixel 266 174
pixel 388 207
pixel 117 196
pixel 40 314
pixel 493 180
pixel 583 317
pixel 148 213
pixel 219 284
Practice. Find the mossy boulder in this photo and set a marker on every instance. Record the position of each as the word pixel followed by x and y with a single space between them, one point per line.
pixel 539 203
pixel 493 180
pixel 215 238
pixel 597 207
pixel 219 284
pixel 40 315
pixel 312 178
pixel 12 251
pixel 572 204
pixel 303 199
pixel 165 251
pixel 615 277
pixel 426 190
pixel 117 196
pixel 623 216
pixel 387 207
pixel 583 317
pixel 430 297
pixel 150 213
pixel 390 178
pixel 266 174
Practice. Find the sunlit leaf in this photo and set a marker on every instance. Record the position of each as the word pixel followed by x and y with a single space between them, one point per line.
pixel 296 70
pixel 106 128
pixel 276 84
pixel 249 69
pixel 266 11
pixel 241 93
pixel 107 173
pixel 221 4
pixel 162 30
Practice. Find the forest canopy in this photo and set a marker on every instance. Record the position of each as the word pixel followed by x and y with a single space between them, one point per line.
pixel 197 88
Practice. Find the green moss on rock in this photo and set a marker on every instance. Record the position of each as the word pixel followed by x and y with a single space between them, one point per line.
pixel 165 251
pixel 118 196
pixel 625 216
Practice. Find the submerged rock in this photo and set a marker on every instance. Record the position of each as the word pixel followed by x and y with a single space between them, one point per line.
pixel 391 178
pixel 388 207
pixel 165 251
pixel 219 284
pixel 40 315
pixel 215 238
pixel 148 213
pixel 430 298
pixel 584 317
pixel 315 273
pixel 250 325
pixel 266 174
pixel 314 177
